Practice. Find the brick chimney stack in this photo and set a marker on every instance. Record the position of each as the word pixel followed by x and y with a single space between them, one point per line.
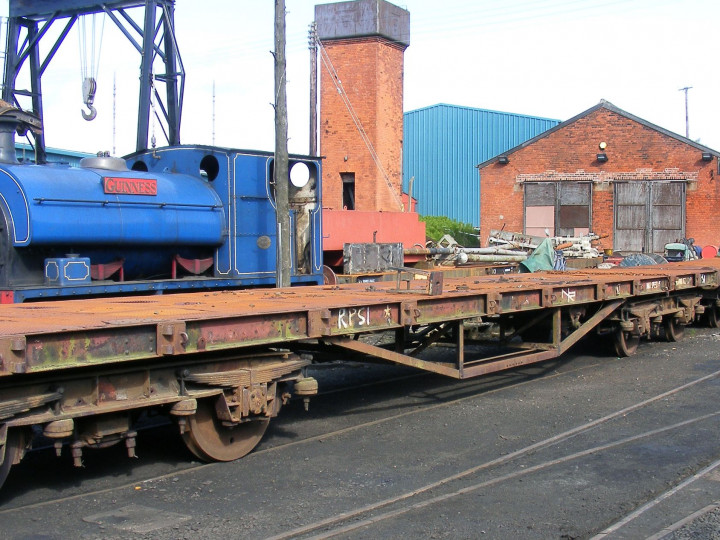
pixel 365 41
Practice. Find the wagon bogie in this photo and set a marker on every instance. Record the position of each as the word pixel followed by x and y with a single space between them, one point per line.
pixel 222 406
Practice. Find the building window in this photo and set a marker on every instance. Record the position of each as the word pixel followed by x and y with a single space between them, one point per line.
pixel 348 181
pixel 557 208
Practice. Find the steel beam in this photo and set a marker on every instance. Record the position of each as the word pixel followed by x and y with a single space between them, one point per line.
pixel 391 356
pixel 36 18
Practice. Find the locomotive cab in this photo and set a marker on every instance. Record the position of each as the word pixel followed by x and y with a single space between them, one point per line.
pixel 243 180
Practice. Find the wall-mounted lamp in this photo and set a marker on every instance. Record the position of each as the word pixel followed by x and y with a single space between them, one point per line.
pixel 602 158
pixel 706 156
pixel 504 160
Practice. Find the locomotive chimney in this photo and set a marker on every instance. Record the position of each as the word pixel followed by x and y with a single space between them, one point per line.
pixel 14 120
pixel 8 126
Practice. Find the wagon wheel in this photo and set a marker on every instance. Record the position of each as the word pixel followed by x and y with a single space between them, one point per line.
pixel 13 447
pixel 210 440
pixel 674 331
pixel 329 276
pixel 713 316
pixel 625 342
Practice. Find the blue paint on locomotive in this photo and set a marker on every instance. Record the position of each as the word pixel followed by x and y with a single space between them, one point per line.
pixel 67 205
pixel 204 202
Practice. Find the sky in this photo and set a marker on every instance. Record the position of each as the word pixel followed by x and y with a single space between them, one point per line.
pixel 548 58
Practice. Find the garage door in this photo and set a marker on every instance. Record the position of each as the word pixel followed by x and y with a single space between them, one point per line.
pixel 648 215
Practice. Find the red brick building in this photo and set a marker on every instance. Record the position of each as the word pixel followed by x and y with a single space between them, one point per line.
pixel 608 172
pixel 361 124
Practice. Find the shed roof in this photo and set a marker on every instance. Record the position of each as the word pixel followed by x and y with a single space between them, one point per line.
pixel 610 107
pixel 476 110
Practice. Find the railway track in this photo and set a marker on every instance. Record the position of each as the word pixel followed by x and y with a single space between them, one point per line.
pixel 368 517
pixel 486 476
pixel 426 496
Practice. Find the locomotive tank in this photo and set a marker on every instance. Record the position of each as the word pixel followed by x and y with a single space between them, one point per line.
pixel 105 212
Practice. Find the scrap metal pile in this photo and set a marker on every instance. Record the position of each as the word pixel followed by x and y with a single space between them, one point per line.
pixel 571 246
pixel 515 248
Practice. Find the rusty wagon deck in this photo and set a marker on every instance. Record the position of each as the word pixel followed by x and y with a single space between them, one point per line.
pixel 51 335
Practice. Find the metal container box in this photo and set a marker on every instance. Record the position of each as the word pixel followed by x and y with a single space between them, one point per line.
pixel 64 271
pixel 368 258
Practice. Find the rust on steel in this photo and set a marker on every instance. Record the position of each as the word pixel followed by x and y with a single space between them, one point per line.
pixel 467 369
pixel 45 336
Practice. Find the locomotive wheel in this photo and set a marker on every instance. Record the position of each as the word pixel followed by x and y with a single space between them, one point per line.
pixel 713 316
pixel 674 331
pixel 625 342
pixel 13 446
pixel 210 440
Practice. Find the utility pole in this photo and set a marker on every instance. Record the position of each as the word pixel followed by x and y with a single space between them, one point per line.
pixel 687 119
pixel 281 177
pixel 114 112
pixel 213 114
pixel 312 42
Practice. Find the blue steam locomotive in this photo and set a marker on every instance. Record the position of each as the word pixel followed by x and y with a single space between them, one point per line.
pixel 167 219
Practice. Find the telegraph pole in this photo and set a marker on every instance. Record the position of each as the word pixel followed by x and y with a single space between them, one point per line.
pixel 687 119
pixel 213 114
pixel 312 42
pixel 281 179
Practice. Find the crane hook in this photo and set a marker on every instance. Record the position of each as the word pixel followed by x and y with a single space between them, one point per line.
pixel 91 115
pixel 89 88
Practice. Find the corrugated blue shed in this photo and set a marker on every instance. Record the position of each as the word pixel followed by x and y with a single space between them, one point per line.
pixel 442 146
pixel 26 153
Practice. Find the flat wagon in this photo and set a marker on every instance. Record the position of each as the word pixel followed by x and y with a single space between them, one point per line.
pixel 222 363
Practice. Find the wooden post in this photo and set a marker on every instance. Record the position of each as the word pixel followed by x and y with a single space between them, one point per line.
pixel 281 179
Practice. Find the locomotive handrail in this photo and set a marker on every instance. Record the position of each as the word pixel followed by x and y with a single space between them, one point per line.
pixel 106 202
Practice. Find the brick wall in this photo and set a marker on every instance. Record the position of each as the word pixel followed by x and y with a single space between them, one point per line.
pixel 635 152
pixel 371 72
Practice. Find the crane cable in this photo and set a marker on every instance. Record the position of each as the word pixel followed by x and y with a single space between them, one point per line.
pixel 356 120
pixel 89 73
